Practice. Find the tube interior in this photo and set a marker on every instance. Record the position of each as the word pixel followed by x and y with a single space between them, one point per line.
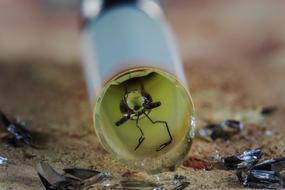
pixel 175 109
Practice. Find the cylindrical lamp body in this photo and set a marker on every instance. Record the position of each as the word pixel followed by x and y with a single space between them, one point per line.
pixel 127 48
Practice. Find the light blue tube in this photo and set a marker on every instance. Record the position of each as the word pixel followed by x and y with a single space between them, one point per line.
pixel 125 37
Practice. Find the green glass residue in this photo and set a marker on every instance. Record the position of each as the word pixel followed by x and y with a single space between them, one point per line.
pixel 153 139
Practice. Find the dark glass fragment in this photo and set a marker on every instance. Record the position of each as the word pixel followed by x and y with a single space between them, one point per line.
pixel 182 186
pixel 17 131
pixel 138 185
pixel 261 179
pixel 268 111
pixel 72 179
pixel 224 130
pixel 245 160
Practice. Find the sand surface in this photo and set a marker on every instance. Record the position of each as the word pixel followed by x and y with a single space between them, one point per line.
pixel 52 100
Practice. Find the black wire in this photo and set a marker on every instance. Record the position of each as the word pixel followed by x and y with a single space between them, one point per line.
pixel 154 122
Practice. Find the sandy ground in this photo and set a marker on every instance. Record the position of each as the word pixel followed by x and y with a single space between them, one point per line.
pixel 234 60
pixel 52 99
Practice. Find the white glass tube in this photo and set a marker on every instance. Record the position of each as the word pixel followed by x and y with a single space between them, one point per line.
pixel 121 44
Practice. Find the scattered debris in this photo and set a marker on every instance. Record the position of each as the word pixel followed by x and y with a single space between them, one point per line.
pixel 217 161
pixel 245 160
pixel 135 185
pixel 260 179
pixel 196 164
pixel 77 179
pixel 18 133
pixel 224 130
pixel 277 165
pixel 53 180
pixel 3 161
pixel 182 186
pixel 178 179
pixel 72 179
pixel 267 174
pixel 172 182
pixel 268 111
pixel 81 173
pixel 216 156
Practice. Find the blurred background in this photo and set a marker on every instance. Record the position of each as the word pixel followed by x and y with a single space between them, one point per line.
pixel 213 31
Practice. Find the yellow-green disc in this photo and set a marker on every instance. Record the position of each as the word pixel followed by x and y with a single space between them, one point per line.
pixel 176 110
